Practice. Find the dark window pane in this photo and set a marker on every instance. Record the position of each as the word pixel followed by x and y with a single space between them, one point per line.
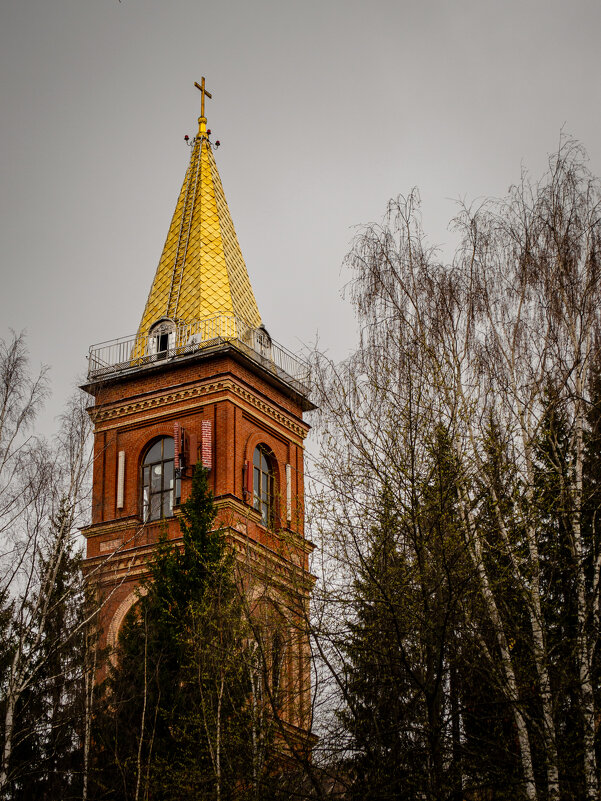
pixel 155 478
pixel 155 507
pixel 262 485
pixel 154 454
pixel 158 480
pixel 167 504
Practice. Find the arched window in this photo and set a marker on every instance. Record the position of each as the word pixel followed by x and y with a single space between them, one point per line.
pixel 263 484
pixel 159 486
pixel 161 338
pixel 263 342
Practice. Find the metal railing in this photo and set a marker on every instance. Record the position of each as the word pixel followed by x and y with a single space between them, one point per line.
pixel 170 341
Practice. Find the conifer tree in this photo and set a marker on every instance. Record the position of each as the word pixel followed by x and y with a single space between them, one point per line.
pixel 558 590
pixel 490 756
pixel 402 692
pixel 177 719
pixel 46 756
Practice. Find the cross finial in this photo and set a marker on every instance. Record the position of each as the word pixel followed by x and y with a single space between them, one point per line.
pixel 203 92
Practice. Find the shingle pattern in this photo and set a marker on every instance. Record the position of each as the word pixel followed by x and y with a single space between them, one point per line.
pixel 201 272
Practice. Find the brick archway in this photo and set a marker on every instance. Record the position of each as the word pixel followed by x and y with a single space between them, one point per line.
pixel 119 616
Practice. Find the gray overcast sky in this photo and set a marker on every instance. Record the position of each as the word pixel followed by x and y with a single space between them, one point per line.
pixel 324 109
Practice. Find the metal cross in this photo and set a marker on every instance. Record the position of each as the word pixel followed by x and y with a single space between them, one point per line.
pixel 203 92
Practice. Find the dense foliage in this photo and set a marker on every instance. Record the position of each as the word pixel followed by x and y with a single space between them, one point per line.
pixel 459 490
pixel 177 722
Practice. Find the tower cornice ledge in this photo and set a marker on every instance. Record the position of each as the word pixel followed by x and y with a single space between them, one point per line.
pixel 121 359
pixel 192 395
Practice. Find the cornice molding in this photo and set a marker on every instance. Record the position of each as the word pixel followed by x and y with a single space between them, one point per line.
pixel 275 568
pixel 202 390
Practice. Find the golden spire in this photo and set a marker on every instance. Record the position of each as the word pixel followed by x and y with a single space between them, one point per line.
pixel 201 272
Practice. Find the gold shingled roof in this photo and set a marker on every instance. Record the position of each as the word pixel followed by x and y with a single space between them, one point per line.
pixel 201 272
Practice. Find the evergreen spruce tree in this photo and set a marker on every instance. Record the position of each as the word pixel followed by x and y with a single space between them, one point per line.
pixel 558 590
pixel 402 690
pixel 6 639
pixel 176 724
pixel 46 760
pixel 591 524
pixel 489 743
pixel 384 708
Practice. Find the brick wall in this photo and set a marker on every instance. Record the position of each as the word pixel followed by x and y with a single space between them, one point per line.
pixel 245 408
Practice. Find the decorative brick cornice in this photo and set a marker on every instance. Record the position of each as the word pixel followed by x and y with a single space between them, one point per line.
pixel 157 401
pixel 160 401
pixel 113 526
pixel 275 568
pixel 300 430
pixel 243 514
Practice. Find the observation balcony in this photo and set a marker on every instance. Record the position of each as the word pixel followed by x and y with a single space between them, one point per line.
pixel 170 341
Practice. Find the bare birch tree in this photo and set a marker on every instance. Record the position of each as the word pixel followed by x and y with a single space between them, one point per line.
pixel 480 345
pixel 41 492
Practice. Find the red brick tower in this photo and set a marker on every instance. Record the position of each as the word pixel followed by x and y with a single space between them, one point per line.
pixel 202 380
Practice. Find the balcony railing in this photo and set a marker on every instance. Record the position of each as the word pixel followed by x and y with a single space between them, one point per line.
pixel 170 341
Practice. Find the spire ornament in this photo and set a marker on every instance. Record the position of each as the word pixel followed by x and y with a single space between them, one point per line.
pixel 201 87
pixel 201 273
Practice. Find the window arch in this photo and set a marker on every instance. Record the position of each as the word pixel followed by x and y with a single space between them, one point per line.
pixel 161 337
pixel 263 484
pixel 160 489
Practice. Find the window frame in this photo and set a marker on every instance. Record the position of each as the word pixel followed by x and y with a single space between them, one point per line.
pixel 263 484
pixel 161 338
pixel 166 489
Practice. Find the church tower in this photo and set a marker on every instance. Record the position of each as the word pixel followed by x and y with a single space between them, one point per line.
pixel 202 381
